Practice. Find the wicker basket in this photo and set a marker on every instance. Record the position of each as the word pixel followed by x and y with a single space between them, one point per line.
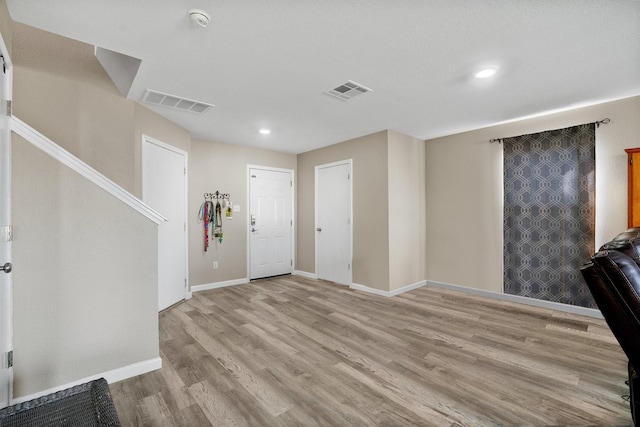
pixel 83 405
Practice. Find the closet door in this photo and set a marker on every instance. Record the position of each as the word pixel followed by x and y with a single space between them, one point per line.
pixel 6 298
pixel 164 188
pixel 333 222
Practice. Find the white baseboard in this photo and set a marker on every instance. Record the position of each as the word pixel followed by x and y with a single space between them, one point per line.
pixel 216 285
pixel 567 308
pixel 112 376
pixel 392 293
pixel 305 274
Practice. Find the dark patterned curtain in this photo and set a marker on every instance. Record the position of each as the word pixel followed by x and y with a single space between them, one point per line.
pixel 549 214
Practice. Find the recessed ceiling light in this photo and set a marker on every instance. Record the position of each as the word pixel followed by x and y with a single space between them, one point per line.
pixel 264 131
pixel 487 72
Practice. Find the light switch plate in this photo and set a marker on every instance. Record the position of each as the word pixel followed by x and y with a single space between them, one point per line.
pixel 236 208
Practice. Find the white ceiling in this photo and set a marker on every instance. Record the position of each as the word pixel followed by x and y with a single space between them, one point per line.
pixel 268 63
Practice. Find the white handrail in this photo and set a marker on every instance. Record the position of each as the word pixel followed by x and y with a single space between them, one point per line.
pixel 68 159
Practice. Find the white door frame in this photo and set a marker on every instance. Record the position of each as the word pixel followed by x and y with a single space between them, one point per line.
pixel 315 223
pixel 6 282
pixel 248 215
pixel 149 140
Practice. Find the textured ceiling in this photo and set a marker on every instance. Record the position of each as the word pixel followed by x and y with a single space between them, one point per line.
pixel 268 63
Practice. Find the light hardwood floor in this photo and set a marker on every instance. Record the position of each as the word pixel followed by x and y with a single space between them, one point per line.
pixel 291 351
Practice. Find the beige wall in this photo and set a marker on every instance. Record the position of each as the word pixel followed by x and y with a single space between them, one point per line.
pixel 5 27
pixel 406 210
pixel 464 190
pixel 85 292
pixel 370 207
pixel 223 167
pixel 85 282
pixel 61 90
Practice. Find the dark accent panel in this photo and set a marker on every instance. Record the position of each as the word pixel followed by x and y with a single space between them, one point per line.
pixel 549 214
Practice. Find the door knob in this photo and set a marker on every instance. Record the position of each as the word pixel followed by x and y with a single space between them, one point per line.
pixel 7 267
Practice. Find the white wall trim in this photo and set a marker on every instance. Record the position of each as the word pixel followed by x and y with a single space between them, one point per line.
pixel 71 161
pixel 216 285
pixel 567 308
pixel 392 293
pixel 305 274
pixel 112 376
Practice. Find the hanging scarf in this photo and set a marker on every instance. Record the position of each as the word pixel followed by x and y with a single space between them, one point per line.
pixel 217 220
pixel 206 216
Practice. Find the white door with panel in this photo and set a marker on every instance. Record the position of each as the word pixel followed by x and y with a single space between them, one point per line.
pixel 270 222
pixel 6 302
pixel 164 189
pixel 333 222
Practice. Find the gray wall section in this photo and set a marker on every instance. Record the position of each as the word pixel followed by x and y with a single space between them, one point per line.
pixel 85 279
pixel 407 221
pixel 370 207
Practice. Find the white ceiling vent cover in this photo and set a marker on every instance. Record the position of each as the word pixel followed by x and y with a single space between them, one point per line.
pixel 348 90
pixel 175 102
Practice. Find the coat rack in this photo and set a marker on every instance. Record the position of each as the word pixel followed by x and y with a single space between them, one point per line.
pixel 211 214
pixel 216 196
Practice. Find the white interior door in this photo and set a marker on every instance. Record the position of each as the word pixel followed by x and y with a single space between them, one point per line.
pixel 270 222
pixel 333 222
pixel 164 188
pixel 6 302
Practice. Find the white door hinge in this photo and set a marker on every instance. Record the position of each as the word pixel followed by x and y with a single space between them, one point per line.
pixel 5 107
pixel 7 230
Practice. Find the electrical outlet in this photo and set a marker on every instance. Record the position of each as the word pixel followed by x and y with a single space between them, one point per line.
pixel 215 265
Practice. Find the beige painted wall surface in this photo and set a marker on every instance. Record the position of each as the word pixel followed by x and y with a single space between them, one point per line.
pixel 62 91
pixel 406 210
pixel 85 277
pixel 370 207
pixel 5 27
pixel 464 190
pixel 222 167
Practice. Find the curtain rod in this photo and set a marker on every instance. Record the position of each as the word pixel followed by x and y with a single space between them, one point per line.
pixel 604 121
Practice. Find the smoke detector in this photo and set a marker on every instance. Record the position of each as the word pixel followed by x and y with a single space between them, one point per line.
pixel 199 17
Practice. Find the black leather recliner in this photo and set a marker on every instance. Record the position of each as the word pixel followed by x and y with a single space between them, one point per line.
pixel 613 277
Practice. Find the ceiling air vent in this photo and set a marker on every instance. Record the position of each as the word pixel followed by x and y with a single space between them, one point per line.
pixel 348 90
pixel 175 102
